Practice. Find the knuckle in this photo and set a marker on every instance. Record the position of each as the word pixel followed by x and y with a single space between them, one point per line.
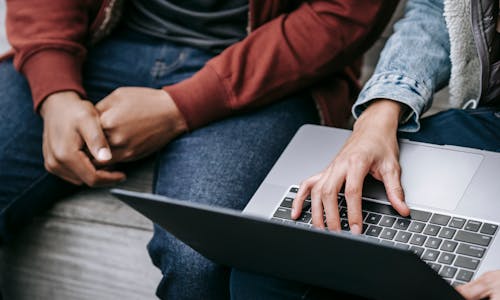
pixel 117 140
pixel 326 193
pixel 357 159
pixel 351 191
pixel 50 165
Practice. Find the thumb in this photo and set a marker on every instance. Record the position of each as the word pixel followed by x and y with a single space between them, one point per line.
pixel 394 190
pixel 93 136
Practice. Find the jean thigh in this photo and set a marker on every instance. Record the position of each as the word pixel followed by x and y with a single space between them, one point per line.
pixel 479 128
pixel 25 186
pixel 221 164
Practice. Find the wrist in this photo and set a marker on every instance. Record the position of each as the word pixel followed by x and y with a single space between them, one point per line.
pixel 174 114
pixel 54 99
pixel 381 113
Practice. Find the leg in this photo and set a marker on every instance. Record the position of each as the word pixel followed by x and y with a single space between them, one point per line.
pixel 479 128
pixel 221 164
pixel 26 188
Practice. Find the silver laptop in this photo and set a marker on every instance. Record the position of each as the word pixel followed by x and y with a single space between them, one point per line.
pixel 453 192
pixel 451 234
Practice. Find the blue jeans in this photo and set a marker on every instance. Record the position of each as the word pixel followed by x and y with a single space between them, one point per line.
pixel 478 128
pixel 220 164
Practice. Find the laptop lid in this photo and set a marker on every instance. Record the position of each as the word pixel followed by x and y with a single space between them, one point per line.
pixel 337 261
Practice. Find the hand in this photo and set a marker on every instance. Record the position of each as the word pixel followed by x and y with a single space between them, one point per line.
pixel 139 121
pixel 485 287
pixel 372 148
pixel 71 127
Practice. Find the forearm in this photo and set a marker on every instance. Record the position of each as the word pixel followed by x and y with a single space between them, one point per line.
pixel 281 57
pixel 414 63
pixel 48 41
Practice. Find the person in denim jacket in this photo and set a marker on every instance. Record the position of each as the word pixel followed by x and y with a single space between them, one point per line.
pixel 432 46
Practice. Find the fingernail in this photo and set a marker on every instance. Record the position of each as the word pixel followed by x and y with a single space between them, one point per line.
pixel 355 229
pixel 104 154
pixel 293 212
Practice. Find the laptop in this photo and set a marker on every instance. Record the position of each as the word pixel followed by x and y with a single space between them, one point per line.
pixel 449 239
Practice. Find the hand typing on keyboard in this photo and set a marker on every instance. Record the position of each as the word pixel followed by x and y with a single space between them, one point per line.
pixel 485 287
pixel 371 149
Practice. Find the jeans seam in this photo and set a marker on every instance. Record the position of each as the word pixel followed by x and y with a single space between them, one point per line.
pixel 25 191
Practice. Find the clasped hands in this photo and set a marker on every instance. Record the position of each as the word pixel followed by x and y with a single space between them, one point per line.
pixel 82 142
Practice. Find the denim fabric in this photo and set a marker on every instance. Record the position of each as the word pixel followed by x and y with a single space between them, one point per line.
pixel 414 64
pixel 221 164
pixel 478 128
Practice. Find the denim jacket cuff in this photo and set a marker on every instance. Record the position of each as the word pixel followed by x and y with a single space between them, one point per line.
pixel 399 88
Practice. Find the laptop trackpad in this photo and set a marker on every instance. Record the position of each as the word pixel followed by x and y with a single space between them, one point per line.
pixel 433 176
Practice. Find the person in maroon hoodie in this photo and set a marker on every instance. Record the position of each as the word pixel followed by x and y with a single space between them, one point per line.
pixel 215 88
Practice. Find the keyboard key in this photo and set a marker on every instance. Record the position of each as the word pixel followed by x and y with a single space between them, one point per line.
pixel 417 250
pixel 388 234
pixel 364 214
pixel 489 228
pixel 417 227
pixel 434 266
pixel 387 221
pixel 373 231
pixel 343 213
pixel 373 218
pixel 447 233
pixel 431 230
pixel 467 262
pixel 471 250
pixel 430 255
pixel 402 246
pixel 306 206
pixel 457 223
pixel 287 202
pixel 446 258
pixel 402 236
pixel 418 239
pixel 363 230
pixel 473 225
pixel 387 243
pixel 379 208
pixel 440 219
pixel 278 220
pixel 419 215
pixel 473 238
pixel 464 275
pixel 433 243
pixel 448 272
pixel 402 224
pixel 344 225
pixel 283 213
pixel 294 190
pixel 457 283
pixel 449 246
pixel 305 217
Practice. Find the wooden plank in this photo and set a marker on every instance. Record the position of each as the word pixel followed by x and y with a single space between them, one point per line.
pixel 58 258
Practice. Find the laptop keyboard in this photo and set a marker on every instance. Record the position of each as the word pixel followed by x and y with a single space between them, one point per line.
pixel 451 246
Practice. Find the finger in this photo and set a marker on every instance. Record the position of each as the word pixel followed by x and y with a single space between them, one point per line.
pixel 394 190
pixel 329 196
pixel 474 290
pixel 304 191
pixel 317 207
pixel 82 167
pixel 353 192
pixel 54 167
pixel 95 140
pixel 104 104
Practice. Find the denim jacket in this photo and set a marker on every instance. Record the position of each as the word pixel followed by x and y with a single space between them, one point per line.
pixel 415 62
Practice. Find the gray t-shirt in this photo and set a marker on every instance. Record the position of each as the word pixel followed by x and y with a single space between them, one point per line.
pixel 207 24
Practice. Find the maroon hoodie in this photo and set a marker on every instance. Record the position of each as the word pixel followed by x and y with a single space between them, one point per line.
pixel 292 45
